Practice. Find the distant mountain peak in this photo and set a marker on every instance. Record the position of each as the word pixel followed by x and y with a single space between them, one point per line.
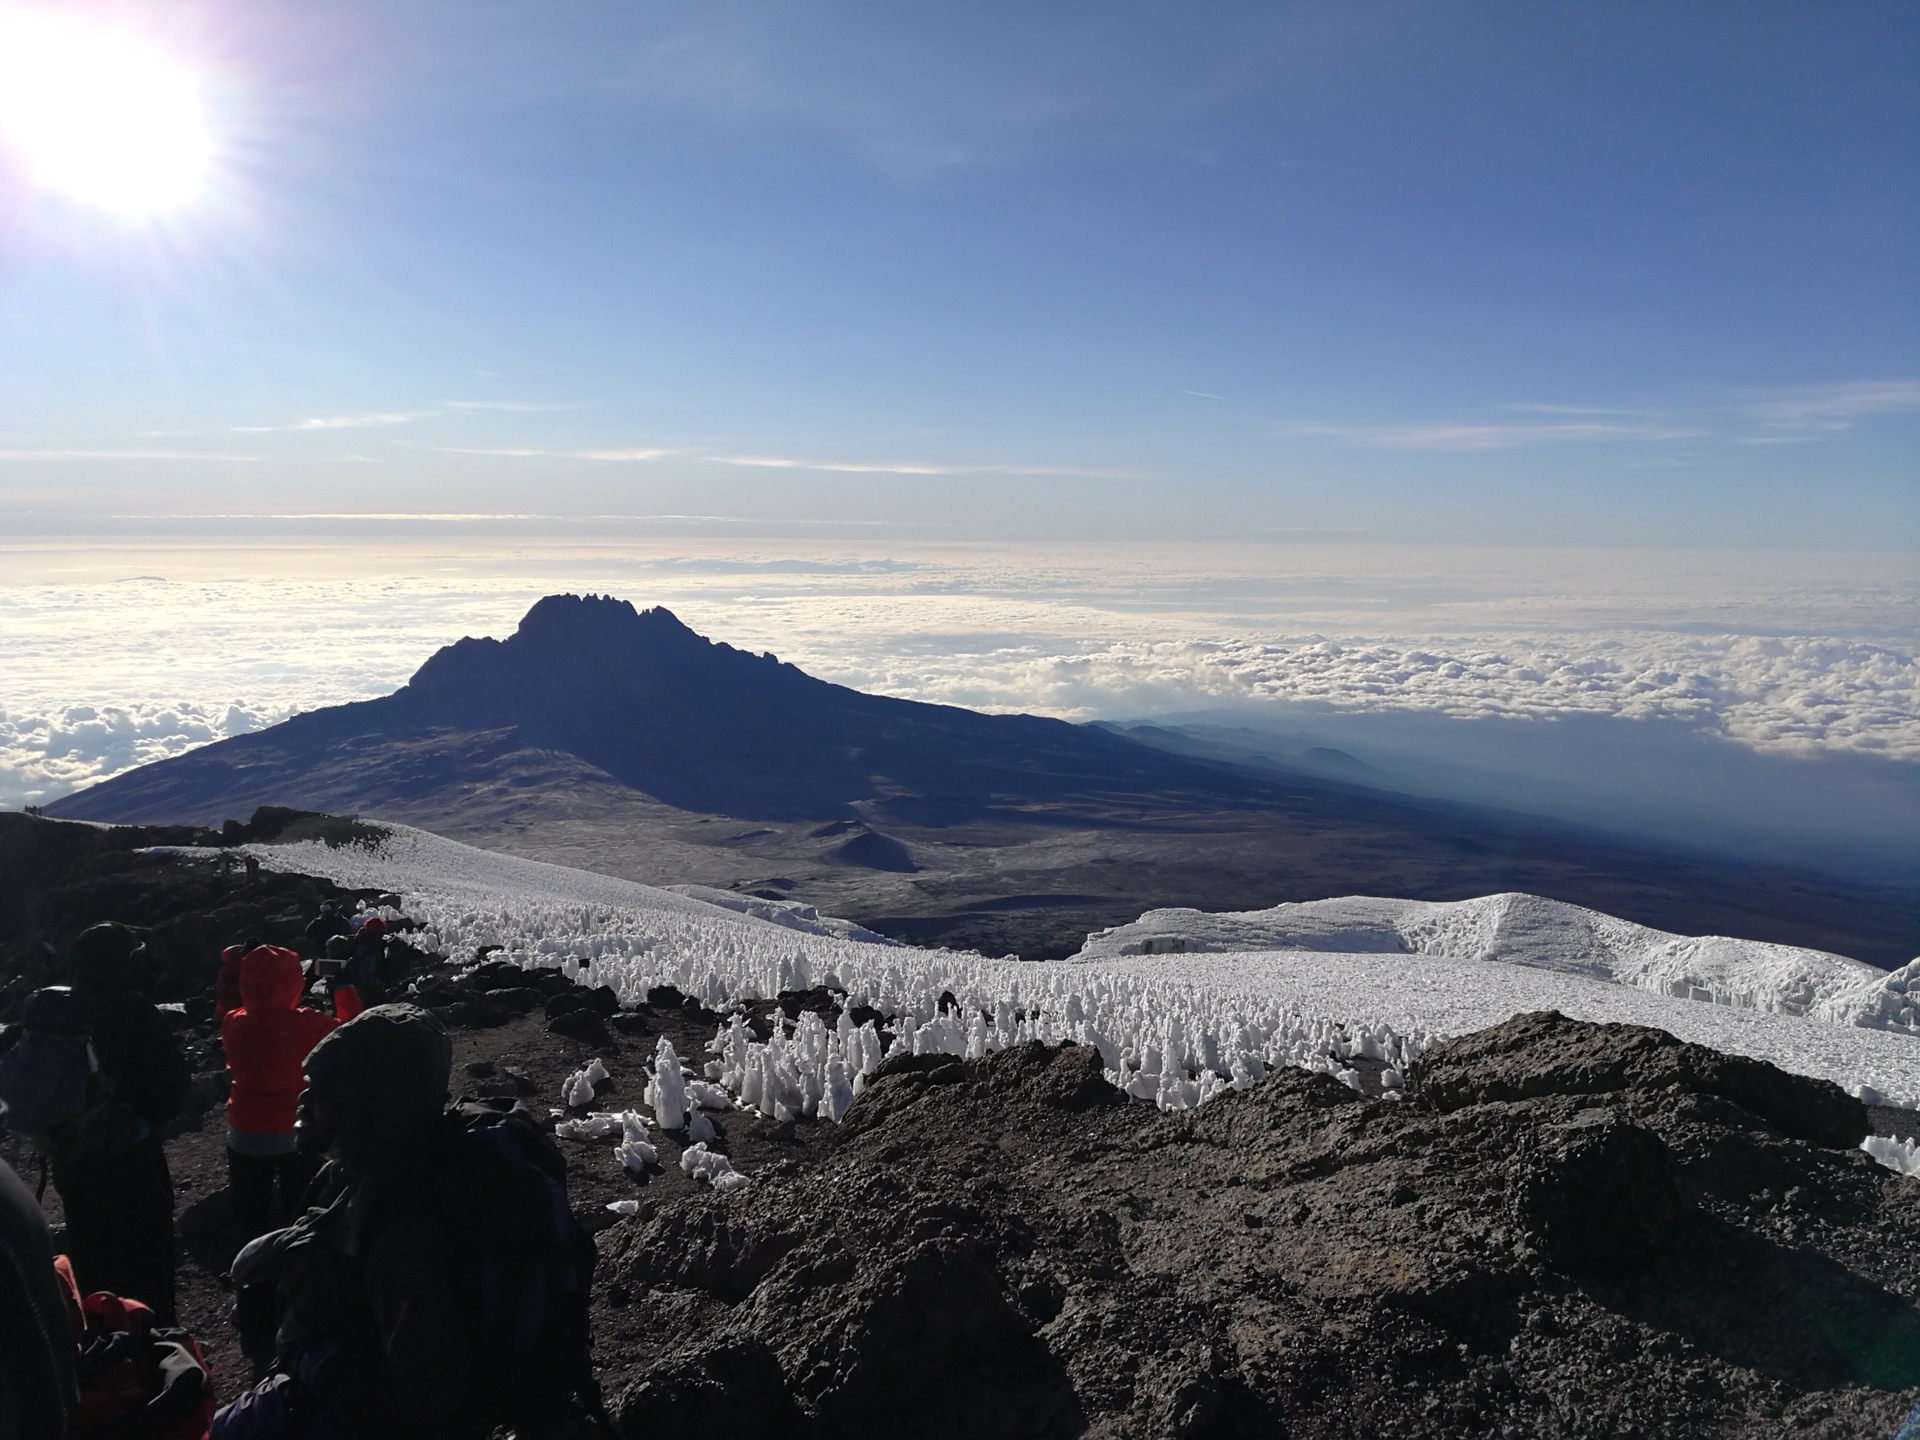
pixel 570 640
pixel 590 616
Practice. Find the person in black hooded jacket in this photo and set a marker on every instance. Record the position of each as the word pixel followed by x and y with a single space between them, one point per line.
pixel 113 1179
pixel 37 1350
pixel 373 1340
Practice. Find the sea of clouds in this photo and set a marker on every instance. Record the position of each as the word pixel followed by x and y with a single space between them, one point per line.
pixel 122 653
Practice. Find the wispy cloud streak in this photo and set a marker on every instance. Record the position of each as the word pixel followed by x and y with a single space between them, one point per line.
pixel 376 420
pixel 778 462
pixel 1830 409
pixel 27 455
pixel 854 467
pixel 1495 437
pixel 1792 416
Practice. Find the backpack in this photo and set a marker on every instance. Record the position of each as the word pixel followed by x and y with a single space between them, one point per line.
pixel 524 1267
pixel 138 1381
pixel 51 1077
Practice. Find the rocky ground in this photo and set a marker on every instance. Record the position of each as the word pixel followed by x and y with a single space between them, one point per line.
pixel 1566 1230
pixel 1569 1230
pixel 56 879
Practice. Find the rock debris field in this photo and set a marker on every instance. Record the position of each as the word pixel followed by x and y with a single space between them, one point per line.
pixel 849 1188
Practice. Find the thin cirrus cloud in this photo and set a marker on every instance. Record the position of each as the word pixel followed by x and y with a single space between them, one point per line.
pixel 780 462
pixel 1495 437
pixel 846 467
pixel 1797 415
pixel 528 452
pixel 381 419
pixel 1819 410
pixel 1530 409
pixel 376 420
pixel 29 455
pixel 852 467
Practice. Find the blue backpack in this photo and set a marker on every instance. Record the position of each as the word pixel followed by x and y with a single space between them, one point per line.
pixel 51 1078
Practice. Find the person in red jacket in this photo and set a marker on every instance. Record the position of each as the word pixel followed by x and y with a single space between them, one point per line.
pixel 267 1040
pixel 226 986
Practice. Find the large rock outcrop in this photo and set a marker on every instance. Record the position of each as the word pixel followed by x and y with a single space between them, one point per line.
pixel 1567 1230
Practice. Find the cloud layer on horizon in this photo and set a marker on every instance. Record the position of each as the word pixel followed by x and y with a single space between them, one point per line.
pixel 107 676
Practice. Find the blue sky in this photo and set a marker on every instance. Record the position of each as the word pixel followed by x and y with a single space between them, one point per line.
pixel 1537 272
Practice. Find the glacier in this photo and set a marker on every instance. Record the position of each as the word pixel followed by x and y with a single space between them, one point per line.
pixel 1181 1006
pixel 1528 930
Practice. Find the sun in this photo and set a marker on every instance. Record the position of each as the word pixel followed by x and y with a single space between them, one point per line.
pixel 101 116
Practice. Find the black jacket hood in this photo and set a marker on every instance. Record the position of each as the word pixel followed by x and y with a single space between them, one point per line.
pixel 384 1074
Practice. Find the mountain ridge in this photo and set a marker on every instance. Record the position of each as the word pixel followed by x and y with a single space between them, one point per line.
pixel 699 725
pixel 617 739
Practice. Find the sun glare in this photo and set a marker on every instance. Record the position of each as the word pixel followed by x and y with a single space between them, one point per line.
pixel 101 116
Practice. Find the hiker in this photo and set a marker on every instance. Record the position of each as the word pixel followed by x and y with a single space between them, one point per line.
pixel 252 862
pixel 226 986
pixel 369 957
pixel 373 1335
pixel 392 1299
pixel 38 1391
pixel 334 972
pixel 324 926
pixel 267 1040
pixel 110 1168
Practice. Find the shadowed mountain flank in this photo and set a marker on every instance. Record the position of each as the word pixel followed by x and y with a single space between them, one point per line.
pixel 702 726
pixel 615 739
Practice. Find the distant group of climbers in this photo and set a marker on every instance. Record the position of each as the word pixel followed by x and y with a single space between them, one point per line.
pixel 251 863
pixel 406 1268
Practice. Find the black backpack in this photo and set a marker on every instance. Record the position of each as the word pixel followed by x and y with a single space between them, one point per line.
pixel 524 1266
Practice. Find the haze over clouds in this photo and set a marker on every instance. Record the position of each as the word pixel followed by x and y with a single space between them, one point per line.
pixel 122 654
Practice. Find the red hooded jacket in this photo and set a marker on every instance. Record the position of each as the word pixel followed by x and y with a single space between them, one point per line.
pixel 267 1040
pixel 226 988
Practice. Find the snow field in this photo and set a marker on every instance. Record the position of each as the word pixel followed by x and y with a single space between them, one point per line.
pixel 1530 931
pixel 1373 980
pixel 789 913
pixel 1173 1045
pixel 1455 997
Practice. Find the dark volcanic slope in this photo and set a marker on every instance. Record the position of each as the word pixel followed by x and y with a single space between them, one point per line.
pixel 57 879
pixel 704 727
pixel 1569 1231
pixel 618 740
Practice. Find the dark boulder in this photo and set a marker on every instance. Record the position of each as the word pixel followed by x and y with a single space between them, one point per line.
pixel 583 1025
pixel 600 1000
pixel 1546 1054
pixel 1597 1194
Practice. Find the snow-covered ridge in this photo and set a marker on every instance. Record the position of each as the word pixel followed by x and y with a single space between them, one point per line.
pixel 1173 1028
pixel 1515 929
pixel 789 913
